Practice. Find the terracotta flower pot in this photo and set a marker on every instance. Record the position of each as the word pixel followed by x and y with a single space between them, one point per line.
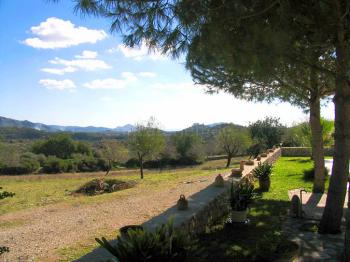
pixel 264 184
pixel 124 230
pixel 241 165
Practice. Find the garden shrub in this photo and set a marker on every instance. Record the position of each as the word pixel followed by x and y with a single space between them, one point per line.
pixel 164 244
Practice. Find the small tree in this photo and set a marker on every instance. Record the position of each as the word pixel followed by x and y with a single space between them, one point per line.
pixel 189 146
pixel 146 142
pixel 268 131
pixel 232 142
pixel 60 145
pixel 114 152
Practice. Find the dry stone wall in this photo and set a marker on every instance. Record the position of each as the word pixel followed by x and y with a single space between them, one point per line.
pixel 303 151
pixel 218 206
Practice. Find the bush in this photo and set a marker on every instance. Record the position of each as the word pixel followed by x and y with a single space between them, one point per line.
pixel 5 194
pixel 54 165
pixel 164 244
pixel 14 170
pixel 4 250
pixel 91 164
pixel 30 162
pixel 262 171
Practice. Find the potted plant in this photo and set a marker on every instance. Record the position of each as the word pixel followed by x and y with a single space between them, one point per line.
pixel 240 197
pixel 263 173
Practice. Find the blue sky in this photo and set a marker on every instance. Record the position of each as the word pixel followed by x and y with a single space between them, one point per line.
pixel 60 68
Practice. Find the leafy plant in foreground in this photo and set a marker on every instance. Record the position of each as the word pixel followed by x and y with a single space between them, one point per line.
pixel 241 195
pixel 164 244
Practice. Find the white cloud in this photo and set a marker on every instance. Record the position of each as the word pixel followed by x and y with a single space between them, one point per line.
pixel 58 84
pixel 128 76
pixel 75 65
pixel 59 71
pixel 138 53
pixel 87 54
pixel 112 83
pixel 58 33
pixel 147 74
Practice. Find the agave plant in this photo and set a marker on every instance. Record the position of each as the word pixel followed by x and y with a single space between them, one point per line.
pixel 241 195
pixel 262 171
pixel 164 244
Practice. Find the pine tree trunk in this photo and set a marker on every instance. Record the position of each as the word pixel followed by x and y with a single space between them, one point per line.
pixel 333 212
pixel 229 157
pixel 317 144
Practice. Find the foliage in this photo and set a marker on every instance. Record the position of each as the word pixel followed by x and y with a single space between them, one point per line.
pixel 146 142
pixel 256 149
pixel 164 244
pixel 300 134
pixel 81 163
pixel 54 165
pixel 189 147
pixel 83 148
pixel 268 131
pixel 113 151
pixel 30 161
pixel 4 250
pixel 5 194
pixel 232 141
pixel 262 171
pixel 59 145
pixel 241 195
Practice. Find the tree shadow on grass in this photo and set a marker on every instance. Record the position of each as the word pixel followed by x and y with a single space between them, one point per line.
pixel 309 174
pixel 302 161
pixel 257 240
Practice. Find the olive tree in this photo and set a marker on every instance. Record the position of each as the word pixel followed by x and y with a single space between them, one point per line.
pixel 233 142
pixel 146 142
pixel 114 151
pixel 189 146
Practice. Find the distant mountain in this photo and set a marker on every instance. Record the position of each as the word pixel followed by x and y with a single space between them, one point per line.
pixel 8 122
pixel 16 129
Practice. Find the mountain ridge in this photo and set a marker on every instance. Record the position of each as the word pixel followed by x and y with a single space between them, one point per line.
pixel 6 122
pixel 9 122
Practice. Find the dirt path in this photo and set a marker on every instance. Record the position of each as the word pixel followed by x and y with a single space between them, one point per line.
pixel 57 226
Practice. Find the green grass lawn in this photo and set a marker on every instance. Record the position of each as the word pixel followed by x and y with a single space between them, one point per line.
pixel 263 234
pixel 40 190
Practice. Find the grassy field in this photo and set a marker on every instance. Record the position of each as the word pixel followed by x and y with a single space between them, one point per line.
pixel 222 243
pixel 40 190
pixel 263 234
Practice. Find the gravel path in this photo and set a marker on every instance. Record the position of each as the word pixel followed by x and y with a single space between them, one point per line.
pixel 57 226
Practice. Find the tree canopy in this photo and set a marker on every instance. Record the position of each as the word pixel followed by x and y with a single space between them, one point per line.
pixel 146 142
